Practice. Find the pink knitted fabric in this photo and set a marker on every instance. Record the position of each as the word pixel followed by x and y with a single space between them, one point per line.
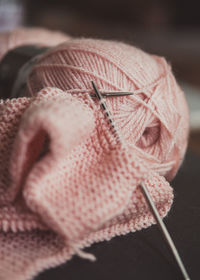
pixel 64 180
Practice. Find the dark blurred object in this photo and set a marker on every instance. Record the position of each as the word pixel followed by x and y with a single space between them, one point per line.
pixel 194 143
pixel 167 28
pixel 11 14
pixel 142 12
pixel 155 13
pixel 10 66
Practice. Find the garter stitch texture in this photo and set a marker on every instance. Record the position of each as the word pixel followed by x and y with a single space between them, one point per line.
pixel 65 182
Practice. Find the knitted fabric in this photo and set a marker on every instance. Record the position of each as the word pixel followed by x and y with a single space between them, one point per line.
pixel 65 182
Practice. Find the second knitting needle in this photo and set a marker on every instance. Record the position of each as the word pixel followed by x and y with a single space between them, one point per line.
pixel 146 194
pixel 113 94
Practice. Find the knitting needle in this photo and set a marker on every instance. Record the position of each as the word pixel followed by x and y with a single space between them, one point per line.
pixel 113 94
pixel 164 231
pixel 147 194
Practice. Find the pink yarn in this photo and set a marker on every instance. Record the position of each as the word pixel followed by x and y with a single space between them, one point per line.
pixel 28 36
pixel 64 181
pixel 154 121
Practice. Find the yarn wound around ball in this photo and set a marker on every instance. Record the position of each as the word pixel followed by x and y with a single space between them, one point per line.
pixel 65 182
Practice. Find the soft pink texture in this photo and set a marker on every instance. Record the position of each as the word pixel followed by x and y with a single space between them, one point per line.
pixel 64 181
pixel 154 121
pixel 29 36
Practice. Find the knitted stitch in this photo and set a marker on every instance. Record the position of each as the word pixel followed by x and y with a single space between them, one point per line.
pixel 65 182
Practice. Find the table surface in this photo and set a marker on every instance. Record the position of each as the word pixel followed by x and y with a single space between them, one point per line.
pixel 144 255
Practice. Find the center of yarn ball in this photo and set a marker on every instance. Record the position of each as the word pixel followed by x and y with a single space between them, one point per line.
pixel 149 137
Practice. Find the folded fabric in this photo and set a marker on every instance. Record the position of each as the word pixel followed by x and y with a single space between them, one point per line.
pixel 65 182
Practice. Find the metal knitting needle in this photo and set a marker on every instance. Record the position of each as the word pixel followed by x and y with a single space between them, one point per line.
pixel 113 94
pixel 164 231
pixel 147 195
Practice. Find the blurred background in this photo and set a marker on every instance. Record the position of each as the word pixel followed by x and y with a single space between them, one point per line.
pixel 168 28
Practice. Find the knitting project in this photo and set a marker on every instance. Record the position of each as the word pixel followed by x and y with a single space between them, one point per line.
pixel 65 182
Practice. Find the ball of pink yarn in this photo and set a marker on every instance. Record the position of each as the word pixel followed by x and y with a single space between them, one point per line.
pixel 153 121
pixel 27 36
